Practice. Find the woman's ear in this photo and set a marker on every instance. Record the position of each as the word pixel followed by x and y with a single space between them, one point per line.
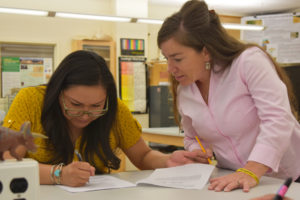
pixel 206 55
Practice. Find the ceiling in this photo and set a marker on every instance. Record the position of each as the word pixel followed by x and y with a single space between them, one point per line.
pixel 242 7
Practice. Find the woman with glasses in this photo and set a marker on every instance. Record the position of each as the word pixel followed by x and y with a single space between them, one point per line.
pixel 85 123
pixel 233 96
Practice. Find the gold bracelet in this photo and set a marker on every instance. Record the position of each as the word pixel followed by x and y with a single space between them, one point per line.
pixel 246 171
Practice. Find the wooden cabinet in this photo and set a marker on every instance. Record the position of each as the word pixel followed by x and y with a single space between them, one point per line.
pixel 107 49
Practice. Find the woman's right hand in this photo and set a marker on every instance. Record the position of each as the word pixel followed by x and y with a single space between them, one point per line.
pixel 77 174
pixel 202 157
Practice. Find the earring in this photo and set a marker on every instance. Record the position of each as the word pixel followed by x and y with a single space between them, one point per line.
pixel 207 65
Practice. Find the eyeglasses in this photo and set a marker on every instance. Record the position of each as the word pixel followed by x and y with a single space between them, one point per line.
pixel 79 113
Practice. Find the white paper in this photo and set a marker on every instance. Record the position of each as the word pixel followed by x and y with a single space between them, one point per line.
pixel 190 176
pixel 100 182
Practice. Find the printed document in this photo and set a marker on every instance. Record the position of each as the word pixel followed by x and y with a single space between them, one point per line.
pixel 190 176
pixel 100 182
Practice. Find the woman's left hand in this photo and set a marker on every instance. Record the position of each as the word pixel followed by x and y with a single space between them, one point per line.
pixel 181 157
pixel 232 181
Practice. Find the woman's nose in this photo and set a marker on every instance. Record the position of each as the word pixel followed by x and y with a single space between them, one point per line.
pixel 85 116
pixel 171 68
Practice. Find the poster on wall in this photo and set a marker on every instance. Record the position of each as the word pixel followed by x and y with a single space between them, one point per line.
pixel 280 37
pixel 10 74
pixel 132 73
pixel 19 72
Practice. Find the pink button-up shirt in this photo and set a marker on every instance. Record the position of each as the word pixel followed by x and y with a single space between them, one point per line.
pixel 247 118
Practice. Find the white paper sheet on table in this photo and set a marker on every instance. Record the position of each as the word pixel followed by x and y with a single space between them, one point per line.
pixel 100 182
pixel 191 176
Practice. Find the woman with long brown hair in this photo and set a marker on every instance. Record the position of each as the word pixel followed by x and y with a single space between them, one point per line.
pixel 231 95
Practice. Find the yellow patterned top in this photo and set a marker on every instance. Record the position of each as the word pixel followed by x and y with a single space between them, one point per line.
pixel 27 106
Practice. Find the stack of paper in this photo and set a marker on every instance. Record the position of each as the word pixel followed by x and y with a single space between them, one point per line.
pixel 100 182
pixel 191 176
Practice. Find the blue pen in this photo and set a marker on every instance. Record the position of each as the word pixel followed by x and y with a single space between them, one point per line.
pixel 283 189
pixel 78 155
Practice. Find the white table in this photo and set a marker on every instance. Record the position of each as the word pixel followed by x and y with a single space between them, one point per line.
pixel 267 185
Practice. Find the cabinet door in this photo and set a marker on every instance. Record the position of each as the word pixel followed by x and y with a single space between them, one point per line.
pixel 106 49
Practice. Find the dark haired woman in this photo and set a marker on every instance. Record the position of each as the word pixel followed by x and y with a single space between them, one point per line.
pixel 84 120
pixel 231 95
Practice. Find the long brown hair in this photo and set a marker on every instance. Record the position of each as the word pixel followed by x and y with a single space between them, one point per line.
pixel 195 26
pixel 88 69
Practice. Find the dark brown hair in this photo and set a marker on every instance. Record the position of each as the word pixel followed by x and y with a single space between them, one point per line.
pixel 88 69
pixel 195 26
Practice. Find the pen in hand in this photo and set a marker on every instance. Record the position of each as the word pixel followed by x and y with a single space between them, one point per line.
pixel 283 189
pixel 208 159
pixel 78 155
pixel 80 158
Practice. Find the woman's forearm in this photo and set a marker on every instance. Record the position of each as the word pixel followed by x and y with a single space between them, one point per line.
pixel 154 159
pixel 45 174
pixel 257 168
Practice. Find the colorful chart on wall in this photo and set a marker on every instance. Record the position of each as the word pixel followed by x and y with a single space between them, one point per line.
pixel 132 76
pixel 132 47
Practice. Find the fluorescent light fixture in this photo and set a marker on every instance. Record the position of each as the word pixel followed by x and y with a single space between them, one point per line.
pixel 115 18
pixel 93 17
pixel 225 25
pixel 247 27
pixel 23 11
pixel 150 21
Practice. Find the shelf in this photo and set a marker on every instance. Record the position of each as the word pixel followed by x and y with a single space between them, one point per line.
pixel 106 49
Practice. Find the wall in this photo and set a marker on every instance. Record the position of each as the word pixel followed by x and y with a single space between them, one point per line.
pixel 58 31
pixel 157 12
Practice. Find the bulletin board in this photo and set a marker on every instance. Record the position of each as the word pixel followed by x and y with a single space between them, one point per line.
pixel 281 37
pixel 19 72
pixel 132 77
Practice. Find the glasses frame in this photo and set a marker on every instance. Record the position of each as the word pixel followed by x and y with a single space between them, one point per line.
pixel 83 112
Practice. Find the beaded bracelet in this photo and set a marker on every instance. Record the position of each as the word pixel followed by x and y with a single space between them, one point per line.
pixel 246 171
